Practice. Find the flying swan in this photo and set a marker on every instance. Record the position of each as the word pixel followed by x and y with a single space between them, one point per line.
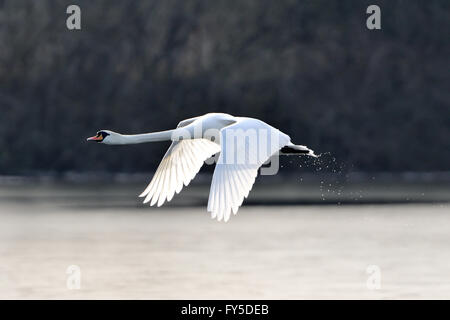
pixel 242 145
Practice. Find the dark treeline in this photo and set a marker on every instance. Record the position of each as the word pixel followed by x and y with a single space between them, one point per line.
pixel 378 100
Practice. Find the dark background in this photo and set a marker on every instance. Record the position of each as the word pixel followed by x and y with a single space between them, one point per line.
pixel 375 100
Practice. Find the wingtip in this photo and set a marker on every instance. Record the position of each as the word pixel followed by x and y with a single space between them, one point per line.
pixel 146 200
pixel 143 194
pixel 153 202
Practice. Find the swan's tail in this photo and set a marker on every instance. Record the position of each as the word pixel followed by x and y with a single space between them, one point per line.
pixel 293 149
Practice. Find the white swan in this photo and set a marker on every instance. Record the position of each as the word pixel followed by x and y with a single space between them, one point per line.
pixel 243 145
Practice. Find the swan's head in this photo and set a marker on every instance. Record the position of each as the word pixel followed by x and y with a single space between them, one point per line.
pixel 106 137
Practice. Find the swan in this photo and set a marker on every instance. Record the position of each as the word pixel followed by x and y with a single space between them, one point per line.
pixel 242 145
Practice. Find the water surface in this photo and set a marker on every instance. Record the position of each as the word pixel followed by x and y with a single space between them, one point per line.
pixel 265 252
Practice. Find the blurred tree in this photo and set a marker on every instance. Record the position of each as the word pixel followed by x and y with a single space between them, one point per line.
pixel 376 99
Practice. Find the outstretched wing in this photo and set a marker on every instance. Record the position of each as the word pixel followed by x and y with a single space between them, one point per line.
pixel 245 146
pixel 179 166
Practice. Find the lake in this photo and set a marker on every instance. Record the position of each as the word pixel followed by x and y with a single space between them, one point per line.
pixel 129 251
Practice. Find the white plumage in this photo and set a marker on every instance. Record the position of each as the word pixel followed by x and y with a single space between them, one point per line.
pixel 244 145
pixel 179 166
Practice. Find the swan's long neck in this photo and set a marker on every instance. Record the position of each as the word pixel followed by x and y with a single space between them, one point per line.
pixel 146 137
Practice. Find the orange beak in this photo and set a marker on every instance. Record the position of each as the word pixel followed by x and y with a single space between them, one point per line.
pixel 95 138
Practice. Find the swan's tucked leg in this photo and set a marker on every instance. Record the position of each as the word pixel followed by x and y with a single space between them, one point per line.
pixel 293 149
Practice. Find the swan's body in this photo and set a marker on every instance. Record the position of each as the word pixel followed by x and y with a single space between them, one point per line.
pixel 244 145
